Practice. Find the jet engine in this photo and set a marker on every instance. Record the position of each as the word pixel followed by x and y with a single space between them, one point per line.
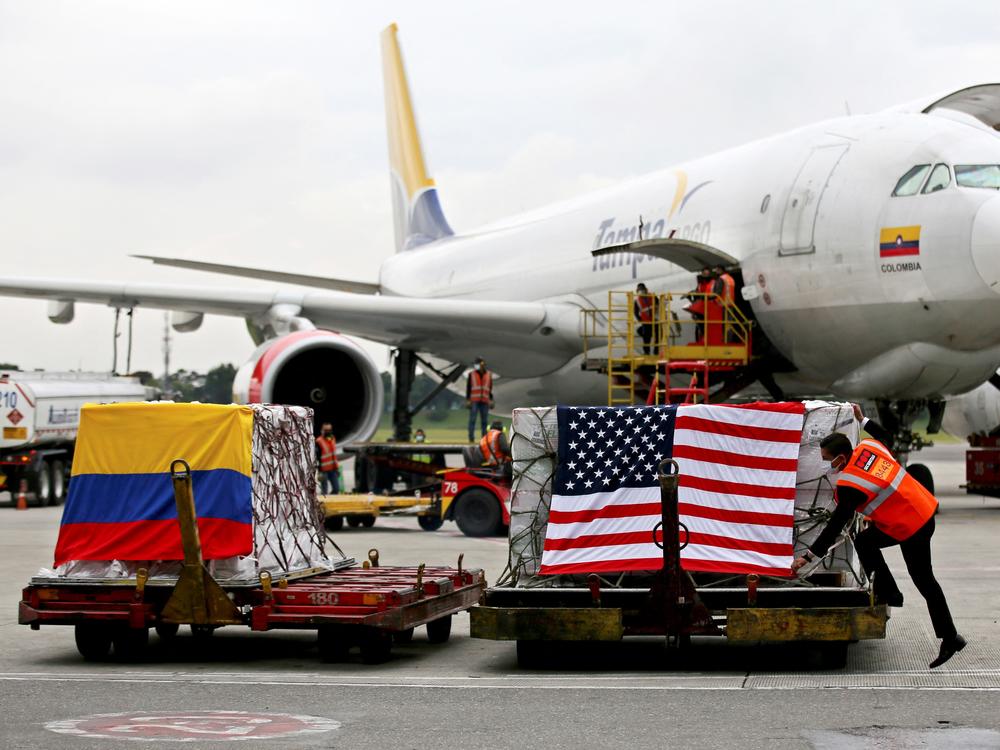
pixel 320 369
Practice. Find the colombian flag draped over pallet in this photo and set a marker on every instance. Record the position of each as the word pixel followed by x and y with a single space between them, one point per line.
pixel 121 498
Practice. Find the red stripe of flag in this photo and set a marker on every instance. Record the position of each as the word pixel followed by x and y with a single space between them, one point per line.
pixel 607 566
pixel 749 432
pixel 895 252
pixel 721 566
pixel 608 511
pixel 645 537
pixel 736 516
pixel 784 407
pixel 727 458
pixel 735 488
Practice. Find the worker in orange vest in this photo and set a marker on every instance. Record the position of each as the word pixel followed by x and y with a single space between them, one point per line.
pixel 326 458
pixel 725 289
pixel 644 307
pixel 494 447
pixel 870 481
pixel 479 396
pixel 698 296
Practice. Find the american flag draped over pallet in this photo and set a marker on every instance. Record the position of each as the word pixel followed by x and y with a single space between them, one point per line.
pixel 736 493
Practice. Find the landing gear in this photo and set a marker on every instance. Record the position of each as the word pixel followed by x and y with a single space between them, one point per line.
pixel 898 417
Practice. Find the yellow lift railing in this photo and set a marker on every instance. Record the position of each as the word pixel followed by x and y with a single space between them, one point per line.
pixel 614 344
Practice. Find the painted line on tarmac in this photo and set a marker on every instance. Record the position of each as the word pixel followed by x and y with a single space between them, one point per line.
pixel 479 685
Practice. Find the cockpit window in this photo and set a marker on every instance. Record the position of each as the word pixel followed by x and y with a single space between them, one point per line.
pixel 978 175
pixel 940 179
pixel 909 183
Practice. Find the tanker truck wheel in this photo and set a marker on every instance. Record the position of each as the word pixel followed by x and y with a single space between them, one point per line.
pixel 40 484
pixel 58 469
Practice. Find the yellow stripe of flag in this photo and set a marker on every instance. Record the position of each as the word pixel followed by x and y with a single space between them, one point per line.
pixel 890 234
pixel 143 438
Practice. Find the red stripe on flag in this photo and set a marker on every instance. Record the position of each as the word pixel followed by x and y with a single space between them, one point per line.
pixel 895 252
pixel 608 511
pixel 734 459
pixel 736 516
pixel 646 537
pixel 150 540
pixel 735 488
pixel 783 407
pixel 720 566
pixel 748 432
pixel 604 566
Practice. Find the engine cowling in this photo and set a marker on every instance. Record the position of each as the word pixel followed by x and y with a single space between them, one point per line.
pixel 320 369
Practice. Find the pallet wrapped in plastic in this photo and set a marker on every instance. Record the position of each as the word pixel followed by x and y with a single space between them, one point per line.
pixel 535 446
pixel 287 520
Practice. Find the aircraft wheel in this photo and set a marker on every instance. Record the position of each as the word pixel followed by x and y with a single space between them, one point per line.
pixel 922 474
pixel 478 513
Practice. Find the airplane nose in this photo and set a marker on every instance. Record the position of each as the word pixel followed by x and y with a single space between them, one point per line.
pixel 986 243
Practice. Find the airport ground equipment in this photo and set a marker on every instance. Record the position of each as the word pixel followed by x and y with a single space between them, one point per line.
pixel 827 606
pixel 363 509
pixel 476 497
pixel 670 604
pixel 39 416
pixel 287 582
pixel 982 466
pixel 686 356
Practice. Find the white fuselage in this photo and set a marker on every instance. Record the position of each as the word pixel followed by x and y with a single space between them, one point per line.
pixel 802 212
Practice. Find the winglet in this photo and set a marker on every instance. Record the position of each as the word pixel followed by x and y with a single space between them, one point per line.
pixel 417 211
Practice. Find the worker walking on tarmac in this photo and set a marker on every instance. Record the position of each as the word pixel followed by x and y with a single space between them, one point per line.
pixel 479 396
pixel 326 457
pixel 870 481
pixel 644 308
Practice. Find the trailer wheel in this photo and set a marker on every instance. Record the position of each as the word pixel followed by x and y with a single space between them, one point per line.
pixel 58 482
pixel 532 654
pixel 403 636
pixel 376 645
pixel 167 630
pixel 130 643
pixel 478 513
pixel 833 655
pixel 368 521
pixel 93 641
pixel 430 523
pixel 439 631
pixel 353 521
pixel 334 523
pixel 334 642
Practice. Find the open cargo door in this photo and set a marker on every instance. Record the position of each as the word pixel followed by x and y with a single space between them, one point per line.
pixel 688 254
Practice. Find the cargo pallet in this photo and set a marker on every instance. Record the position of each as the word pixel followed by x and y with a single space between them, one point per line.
pixel 368 606
pixel 829 617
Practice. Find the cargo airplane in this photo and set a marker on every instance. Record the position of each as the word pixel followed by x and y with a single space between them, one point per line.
pixel 868 248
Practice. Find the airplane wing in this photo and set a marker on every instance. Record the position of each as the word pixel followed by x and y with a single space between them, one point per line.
pixel 340 285
pixel 541 335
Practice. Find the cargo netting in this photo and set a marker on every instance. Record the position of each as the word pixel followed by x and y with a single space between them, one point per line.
pixel 535 447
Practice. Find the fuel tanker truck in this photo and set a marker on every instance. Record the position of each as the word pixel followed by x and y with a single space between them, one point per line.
pixel 39 417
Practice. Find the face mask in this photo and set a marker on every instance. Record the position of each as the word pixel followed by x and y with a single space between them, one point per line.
pixel 835 469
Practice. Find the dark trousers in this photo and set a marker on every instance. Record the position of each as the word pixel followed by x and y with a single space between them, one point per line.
pixel 917 555
pixel 646 333
pixel 329 480
pixel 482 409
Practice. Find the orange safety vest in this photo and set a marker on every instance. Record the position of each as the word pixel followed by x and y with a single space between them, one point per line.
pixel 480 385
pixel 490 447
pixel 729 292
pixel 327 453
pixel 644 303
pixel 698 306
pixel 895 502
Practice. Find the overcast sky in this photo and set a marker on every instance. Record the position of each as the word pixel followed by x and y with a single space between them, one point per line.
pixel 253 132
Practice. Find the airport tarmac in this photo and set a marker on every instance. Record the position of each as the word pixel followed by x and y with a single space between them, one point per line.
pixel 470 693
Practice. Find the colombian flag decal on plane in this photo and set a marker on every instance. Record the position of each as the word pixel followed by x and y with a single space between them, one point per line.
pixel 896 241
pixel 121 498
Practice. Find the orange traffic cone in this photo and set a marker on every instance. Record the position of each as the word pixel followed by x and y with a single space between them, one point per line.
pixel 22 495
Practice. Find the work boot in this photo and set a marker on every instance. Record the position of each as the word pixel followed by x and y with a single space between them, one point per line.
pixel 949 647
pixel 893 600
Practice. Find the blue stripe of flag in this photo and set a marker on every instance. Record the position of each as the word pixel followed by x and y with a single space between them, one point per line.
pixel 122 498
